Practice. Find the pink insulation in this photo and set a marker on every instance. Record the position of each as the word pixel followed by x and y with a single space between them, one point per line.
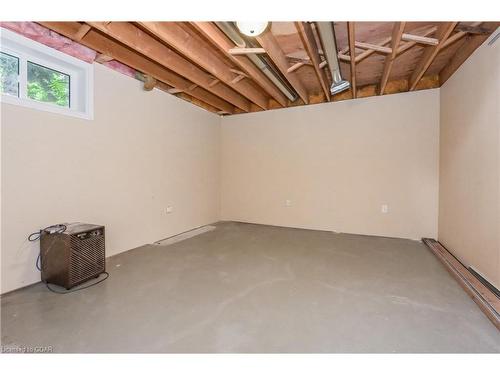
pixel 50 38
pixel 54 40
pixel 122 68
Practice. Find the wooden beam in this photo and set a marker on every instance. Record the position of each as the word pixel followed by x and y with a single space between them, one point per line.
pixel 149 83
pixel 468 47
pixel 245 51
pixel 238 78
pixel 108 47
pixel 457 36
pixel 202 54
pixel 100 58
pixel 419 39
pixel 374 47
pixel 197 102
pixel 214 82
pixel 82 31
pixel 397 32
pixel 174 91
pixel 273 49
pixel 309 41
pixel 238 72
pixel 369 52
pixel 140 41
pixel 444 30
pixel 406 46
pixel 473 28
pixel 352 52
pixel 382 43
pixel 220 40
pixel 296 66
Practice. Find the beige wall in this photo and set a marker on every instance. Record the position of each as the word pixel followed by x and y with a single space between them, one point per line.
pixel 337 163
pixel 143 151
pixel 469 198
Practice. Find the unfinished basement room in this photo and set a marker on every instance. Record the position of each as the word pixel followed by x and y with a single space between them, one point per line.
pixel 290 186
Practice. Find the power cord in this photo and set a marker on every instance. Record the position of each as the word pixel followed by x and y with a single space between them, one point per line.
pixel 35 236
pixel 78 289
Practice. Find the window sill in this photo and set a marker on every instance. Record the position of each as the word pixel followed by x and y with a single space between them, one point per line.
pixel 47 107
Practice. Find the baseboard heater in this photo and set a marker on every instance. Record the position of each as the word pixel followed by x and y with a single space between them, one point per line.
pixel 480 292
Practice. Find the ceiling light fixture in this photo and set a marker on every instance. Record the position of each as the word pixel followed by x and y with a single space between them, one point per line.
pixel 252 28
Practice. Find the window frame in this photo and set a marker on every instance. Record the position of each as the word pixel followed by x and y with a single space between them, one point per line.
pixel 18 71
pixel 81 93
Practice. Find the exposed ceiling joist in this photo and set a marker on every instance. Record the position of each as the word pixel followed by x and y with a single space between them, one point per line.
pixel 457 36
pixel 145 44
pixel 82 31
pixel 403 47
pixel 273 49
pixel 309 41
pixel 217 37
pixel 199 62
pixel 442 33
pixel 469 46
pixel 397 32
pixel 201 53
pixel 352 51
pixel 107 47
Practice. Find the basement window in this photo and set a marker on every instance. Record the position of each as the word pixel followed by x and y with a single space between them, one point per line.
pixel 39 77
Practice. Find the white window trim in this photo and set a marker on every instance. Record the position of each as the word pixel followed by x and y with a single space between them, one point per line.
pixel 80 72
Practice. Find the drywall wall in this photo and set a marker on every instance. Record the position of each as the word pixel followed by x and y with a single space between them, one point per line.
pixel 469 197
pixel 337 164
pixel 142 152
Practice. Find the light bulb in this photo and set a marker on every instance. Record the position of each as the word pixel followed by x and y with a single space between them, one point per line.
pixel 252 28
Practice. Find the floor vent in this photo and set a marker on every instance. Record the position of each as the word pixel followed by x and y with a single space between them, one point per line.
pixel 185 235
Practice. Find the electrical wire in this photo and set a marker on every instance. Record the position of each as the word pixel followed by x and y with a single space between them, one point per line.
pixel 78 289
pixel 35 236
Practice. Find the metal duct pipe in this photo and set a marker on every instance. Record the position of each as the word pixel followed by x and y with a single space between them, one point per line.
pixel 327 36
pixel 231 32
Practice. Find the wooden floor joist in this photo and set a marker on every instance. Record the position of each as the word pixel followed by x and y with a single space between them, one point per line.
pixel 207 62
pixel 270 44
pixel 397 31
pixel 487 301
pixel 224 44
pixel 196 49
pixel 143 43
pixel 309 41
pixel 116 51
pixel 352 51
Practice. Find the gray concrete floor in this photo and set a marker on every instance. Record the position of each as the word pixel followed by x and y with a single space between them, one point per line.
pixel 255 288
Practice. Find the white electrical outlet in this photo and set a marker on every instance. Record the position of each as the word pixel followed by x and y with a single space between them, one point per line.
pixel 169 209
pixel 385 209
pixel 288 203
